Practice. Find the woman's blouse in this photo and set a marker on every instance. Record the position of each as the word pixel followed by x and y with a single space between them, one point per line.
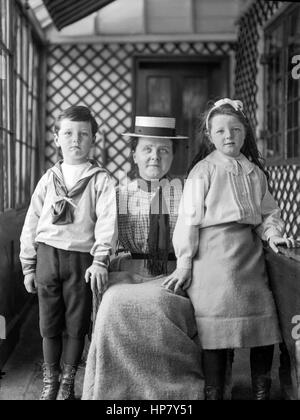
pixel 134 205
pixel 219 190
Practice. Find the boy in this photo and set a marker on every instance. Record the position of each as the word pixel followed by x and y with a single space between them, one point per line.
pixel 68 235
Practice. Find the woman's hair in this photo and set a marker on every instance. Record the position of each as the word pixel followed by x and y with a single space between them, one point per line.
pixel 134 142
pixel 76 113
pixel 249 148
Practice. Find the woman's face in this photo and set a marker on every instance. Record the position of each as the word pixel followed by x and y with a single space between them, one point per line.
pixel 153 157
pixel 227 133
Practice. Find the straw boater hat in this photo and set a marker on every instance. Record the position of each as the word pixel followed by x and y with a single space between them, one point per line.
pixel 155 127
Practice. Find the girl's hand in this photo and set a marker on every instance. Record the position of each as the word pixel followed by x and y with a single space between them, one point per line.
pixel 278 240
pixel 180 278
pixel 98 276
pixel 30 283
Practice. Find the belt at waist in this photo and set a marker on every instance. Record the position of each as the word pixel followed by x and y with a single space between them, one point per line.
pixel 171 257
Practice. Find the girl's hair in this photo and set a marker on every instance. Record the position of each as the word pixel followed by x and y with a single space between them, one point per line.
pixel 76 113
pixel 249 148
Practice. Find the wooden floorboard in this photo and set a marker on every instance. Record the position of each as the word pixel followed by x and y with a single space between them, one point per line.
pixel 23 376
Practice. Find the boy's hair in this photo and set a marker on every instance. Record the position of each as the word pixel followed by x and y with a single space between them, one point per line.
pixel 249 148
pixel 76 113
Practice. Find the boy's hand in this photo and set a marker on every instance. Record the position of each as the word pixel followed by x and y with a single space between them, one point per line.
pixel 278 240
pixel 98 276
pixel 180 278
pixel 29 283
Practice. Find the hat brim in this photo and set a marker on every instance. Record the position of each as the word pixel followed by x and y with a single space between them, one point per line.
pixel 154 137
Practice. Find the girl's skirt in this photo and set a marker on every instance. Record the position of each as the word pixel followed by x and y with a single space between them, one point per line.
pixel 234 306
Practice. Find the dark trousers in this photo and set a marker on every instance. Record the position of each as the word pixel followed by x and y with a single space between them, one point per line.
pixel 65 299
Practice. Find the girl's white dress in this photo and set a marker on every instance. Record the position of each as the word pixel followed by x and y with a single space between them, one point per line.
pixel 225 211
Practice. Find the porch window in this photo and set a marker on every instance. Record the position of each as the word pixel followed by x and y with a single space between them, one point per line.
pixel 282 91
pixel 19 115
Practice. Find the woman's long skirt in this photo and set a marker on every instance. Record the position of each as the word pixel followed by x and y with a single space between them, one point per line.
pixel 143 346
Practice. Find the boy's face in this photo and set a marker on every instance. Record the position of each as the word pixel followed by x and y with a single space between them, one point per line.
pixel 75 140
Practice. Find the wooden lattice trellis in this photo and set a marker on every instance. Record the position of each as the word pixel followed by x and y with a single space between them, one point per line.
pixel 100 76
pixel 247 53
pixel 284 179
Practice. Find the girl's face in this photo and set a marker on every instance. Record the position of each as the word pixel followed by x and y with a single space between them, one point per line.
pixel 228 134
pixel 75 140
pixel 153 157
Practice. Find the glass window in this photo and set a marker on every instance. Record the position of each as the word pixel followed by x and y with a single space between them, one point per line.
pixel 159 96
pixel 19 79
pixel 282 91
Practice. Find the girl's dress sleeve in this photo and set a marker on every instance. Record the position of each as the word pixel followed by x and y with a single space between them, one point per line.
pixel 272 224
pixel 28 245
pixel 190 216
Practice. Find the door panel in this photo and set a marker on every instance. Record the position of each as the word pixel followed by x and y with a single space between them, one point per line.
pixel 181 90
pixel 194 94
pixel 159 93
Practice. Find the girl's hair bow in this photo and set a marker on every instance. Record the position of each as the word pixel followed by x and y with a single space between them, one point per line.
pixel 236 104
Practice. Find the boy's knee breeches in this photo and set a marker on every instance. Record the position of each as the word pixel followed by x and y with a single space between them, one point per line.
pixel 65 299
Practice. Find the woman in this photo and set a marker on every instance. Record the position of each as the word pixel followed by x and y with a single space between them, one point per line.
pixel 144 344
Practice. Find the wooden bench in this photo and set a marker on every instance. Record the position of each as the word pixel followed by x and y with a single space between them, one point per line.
pixel 284 273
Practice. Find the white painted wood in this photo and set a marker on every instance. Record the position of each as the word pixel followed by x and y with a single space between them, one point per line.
pixel 54 37
pixel 83 27
pixel 121 17
pixel 41 13
pixel 213 16
pixel 169 16
pixel 139 19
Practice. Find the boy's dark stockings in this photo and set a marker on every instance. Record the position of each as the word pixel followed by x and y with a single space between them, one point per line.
pixel 52 348
pixel 72 350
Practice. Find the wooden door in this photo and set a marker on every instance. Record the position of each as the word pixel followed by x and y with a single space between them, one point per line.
pixel 179 89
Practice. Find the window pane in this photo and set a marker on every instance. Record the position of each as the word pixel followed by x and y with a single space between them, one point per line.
pixel 274 92
pixel 195 94
pixel 159 96
pixel 19 116
pixel 293 86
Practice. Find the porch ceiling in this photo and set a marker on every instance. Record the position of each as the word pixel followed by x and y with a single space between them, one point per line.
pixel 65 12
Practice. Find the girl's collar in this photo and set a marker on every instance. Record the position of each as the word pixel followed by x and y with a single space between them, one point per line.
pixel 231 164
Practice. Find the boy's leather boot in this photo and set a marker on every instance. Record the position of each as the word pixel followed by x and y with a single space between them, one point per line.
pixel 213 393
pixel 261 386
pixel 66 390
pixel 50 381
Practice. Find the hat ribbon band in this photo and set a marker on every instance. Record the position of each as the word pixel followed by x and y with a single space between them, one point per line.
pixel 155 131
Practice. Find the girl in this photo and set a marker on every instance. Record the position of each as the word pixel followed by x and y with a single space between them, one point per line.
pixel 225 211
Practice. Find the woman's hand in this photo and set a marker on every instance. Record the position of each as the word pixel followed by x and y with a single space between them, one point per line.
pixel 98 276
pixel 278 240
pixel 30 283
pixel 180 278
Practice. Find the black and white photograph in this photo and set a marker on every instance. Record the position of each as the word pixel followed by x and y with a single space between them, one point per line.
pixel 149 202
